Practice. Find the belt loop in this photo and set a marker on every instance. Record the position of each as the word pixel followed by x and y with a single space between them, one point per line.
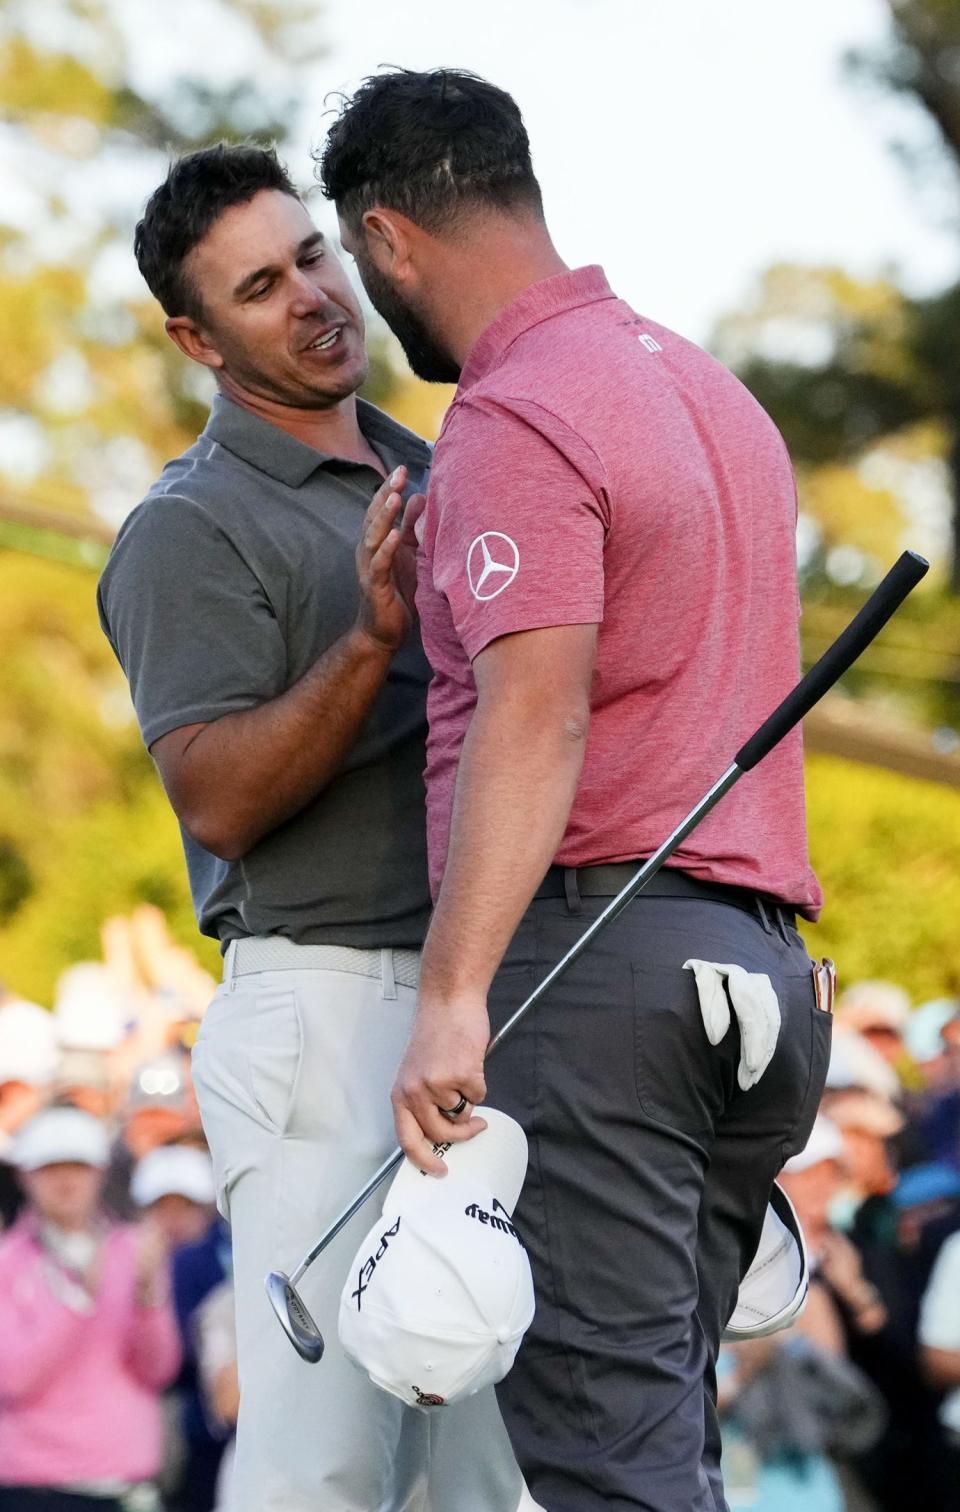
pixel 571 890
pixel 764 916
pixel 387 978
pixel 782 926
pixel 228 960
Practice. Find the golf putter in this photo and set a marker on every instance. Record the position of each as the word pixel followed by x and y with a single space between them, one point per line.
pixel 885 600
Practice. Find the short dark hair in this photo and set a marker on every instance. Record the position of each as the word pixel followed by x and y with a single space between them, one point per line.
pixel 429 145
pixel 197 190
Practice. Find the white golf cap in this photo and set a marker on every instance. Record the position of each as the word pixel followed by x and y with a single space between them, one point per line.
pixel 774 1291
pixel 28 1043
pixel 825 1143
pixel 173 1171
pixel 440 1293
pixel 58 1135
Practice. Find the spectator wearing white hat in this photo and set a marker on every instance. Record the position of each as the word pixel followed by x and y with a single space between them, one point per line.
pixel 174 1185
pixel 856 1306
pixel 928 1038
pixel 28 1059
pixel 161 1106
pixel 867 1124
pixel 89 1335
pixel 856 1063
pixel 159 1109
pixel 933 1038
pixel 880 1011
pixel 811 1180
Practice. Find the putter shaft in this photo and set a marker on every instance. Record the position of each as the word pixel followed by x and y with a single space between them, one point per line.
pixel 882 604
pixel 616 906
pixel 379 1176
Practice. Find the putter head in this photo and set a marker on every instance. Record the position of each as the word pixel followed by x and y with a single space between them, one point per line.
pixel 294 1318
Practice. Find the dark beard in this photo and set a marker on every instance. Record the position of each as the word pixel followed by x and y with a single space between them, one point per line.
pixel 428 360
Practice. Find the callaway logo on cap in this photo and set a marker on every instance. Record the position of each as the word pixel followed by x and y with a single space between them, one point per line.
pixel 440 1293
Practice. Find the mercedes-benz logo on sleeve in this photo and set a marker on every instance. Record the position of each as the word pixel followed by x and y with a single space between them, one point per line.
pixel 493 562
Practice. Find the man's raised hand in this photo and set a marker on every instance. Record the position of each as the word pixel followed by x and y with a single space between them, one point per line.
pixel 386 568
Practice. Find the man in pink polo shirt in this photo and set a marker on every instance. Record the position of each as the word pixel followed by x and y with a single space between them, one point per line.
pixel 608 599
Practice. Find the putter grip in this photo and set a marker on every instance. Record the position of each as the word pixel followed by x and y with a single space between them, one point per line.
pixel 885 600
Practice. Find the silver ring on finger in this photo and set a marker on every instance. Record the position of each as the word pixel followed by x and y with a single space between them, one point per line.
pixel 454 1112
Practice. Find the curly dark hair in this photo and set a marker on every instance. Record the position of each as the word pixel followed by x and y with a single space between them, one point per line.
pixel 197 190
pixel 429 145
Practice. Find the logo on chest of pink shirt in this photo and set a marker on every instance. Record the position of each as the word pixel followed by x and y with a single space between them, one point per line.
pixel 493 562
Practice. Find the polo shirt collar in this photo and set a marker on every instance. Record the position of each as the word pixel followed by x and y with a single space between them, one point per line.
pixel 552 296
pixel 281 456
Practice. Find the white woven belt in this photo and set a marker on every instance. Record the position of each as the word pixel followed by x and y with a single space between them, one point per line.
pixel 277 953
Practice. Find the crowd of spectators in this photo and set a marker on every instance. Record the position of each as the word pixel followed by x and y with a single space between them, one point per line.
pixel 118 1386
pixel 118 1382
pixel 857 1408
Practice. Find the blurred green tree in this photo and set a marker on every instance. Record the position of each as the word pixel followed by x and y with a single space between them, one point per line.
pixel 93 398
pixel 856 372
pixel 887 851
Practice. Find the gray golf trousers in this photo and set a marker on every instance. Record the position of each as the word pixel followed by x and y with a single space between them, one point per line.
pixel 648 1180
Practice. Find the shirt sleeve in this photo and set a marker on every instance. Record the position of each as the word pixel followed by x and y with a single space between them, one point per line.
pixel 188 619
pixel 519 523
pixel 940 1310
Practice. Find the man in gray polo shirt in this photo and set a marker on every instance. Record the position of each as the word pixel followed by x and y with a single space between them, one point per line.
pixel 259 605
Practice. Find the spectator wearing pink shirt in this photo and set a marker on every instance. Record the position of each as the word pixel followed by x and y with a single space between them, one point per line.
pixel 89 1335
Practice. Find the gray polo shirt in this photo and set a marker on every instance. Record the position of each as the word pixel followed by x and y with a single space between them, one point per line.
pixel 222 589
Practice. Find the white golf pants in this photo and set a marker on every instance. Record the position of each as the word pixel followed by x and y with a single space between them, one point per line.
pixel 293 1070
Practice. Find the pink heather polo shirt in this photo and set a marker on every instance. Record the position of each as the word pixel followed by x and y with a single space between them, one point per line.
pixel 596 468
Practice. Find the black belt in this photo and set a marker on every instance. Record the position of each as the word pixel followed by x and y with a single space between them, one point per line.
pixel 606 881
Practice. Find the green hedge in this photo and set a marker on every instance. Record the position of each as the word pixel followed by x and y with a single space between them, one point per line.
pixel 887 851
pixel 886 848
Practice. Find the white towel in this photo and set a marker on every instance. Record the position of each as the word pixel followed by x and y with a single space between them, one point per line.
pixel 755 1005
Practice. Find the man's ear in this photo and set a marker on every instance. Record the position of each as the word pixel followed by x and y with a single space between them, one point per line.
pixel 388 239
pixel 192 341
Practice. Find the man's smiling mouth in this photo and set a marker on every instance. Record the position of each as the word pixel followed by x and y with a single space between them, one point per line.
pixel 326 341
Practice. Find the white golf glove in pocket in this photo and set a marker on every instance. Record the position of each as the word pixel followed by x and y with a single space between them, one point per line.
pixel 755 1005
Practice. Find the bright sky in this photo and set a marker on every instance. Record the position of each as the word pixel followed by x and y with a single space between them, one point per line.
pixel 685 144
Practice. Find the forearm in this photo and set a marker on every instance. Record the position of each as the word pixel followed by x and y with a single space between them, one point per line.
pixel 225 1396
pixel 820 1322
pixel 155 1351
pixel 518 774
pixel 519 767
pixel 243 775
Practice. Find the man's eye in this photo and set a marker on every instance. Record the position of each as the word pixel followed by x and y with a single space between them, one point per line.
pixel 312 257
pixel 260 291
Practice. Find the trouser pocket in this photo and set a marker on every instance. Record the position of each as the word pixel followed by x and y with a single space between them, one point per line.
pixel 820 1029
pixel 682 1080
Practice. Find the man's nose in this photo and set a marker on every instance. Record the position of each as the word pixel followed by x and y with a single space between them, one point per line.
pixel 307 299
